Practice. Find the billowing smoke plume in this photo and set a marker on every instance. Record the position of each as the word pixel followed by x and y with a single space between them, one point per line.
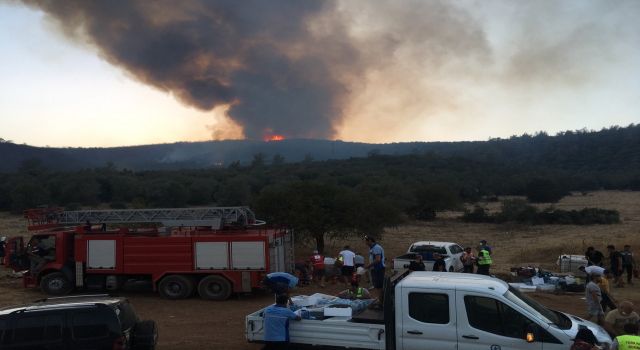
pixel 256 56
pixel 363 69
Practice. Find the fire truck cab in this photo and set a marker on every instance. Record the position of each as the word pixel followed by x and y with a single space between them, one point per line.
pixel 212 251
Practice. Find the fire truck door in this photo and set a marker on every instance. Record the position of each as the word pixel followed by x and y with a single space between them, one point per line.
pixel 101 254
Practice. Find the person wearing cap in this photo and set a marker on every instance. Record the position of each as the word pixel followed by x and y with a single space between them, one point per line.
pixel 484 246
pixel 354 292
pixel 316 260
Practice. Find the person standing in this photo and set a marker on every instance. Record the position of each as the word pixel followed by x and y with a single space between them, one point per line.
pixel 347 268
pixel 439 264
pixel 484 262
pixel 593 297
pixel 276 324
pixel 615 265
pixel 316 260
pixel 376 266
pixel 468 260
pixel 417 264
pixel 607 298
pixel 629 340
pixel 594 257
pixel 628 263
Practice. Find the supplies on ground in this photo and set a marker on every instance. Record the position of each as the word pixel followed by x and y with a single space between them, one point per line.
pixel 533 279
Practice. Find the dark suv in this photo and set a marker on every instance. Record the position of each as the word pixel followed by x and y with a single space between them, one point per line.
pixel 76 322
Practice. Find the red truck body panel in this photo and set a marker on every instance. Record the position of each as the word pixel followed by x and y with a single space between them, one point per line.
pixel 152 254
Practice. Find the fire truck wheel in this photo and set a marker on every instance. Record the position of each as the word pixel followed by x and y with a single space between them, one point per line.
pixel 55 283
pixel 214 288
pixel 176 287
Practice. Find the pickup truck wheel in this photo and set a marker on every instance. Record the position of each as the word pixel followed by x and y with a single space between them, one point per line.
pixel 450 268
pixel 214 288
pixel 56 283
pixel 145 335
pixel 176 287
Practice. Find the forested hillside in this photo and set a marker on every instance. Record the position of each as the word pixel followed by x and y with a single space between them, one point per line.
pixel 437 176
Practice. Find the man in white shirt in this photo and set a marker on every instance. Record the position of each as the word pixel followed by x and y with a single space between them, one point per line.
pixel 347 265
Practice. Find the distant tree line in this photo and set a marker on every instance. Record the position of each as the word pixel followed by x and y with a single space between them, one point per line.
pixel 518 210
pixel 337 197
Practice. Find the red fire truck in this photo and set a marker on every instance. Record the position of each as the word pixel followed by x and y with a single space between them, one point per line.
pixel 214 251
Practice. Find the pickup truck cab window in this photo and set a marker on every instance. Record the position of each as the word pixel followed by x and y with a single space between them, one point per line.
pixel 495 317
pixel 429 307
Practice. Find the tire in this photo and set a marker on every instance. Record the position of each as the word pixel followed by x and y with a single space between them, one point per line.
pixel 56 283
pixel 214 287
pixel 144 336
pixel 176 287
pixel 450 268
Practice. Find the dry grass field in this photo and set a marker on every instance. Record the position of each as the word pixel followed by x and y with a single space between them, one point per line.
pixel 198 324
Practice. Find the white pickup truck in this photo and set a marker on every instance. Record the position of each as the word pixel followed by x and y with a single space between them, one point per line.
pixel 437 310
pixel 451 252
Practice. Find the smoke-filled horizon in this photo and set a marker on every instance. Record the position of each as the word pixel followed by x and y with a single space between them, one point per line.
pixel 342 69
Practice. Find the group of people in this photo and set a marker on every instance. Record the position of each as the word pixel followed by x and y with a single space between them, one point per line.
pixel 617 262
pixel 621 320
pixel 469 260
pixel 278 315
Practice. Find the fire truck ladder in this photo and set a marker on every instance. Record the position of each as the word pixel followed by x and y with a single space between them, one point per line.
pixel 214 217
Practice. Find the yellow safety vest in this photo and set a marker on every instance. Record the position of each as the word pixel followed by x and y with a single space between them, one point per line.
pixel 484 258
pixel 628 342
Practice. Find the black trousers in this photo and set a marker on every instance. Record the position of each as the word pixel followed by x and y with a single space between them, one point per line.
pixel 483 270
pixel 629 269
pixel 467 268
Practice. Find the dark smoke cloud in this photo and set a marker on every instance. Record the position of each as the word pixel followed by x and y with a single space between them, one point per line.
pixel 255 55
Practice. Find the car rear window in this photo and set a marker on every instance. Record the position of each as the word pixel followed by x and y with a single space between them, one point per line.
pixel 428 249
pixel 91 324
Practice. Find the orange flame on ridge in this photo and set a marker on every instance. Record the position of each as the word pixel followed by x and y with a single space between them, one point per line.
pixel 270 138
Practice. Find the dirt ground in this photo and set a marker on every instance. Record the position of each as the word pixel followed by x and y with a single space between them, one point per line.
pixel 198 324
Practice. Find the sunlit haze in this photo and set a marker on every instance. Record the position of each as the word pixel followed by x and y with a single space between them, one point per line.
pixel 395 71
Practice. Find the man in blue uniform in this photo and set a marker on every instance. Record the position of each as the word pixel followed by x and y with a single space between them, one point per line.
pixel 276 324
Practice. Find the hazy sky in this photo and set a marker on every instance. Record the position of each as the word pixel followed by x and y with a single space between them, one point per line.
pixel 372 71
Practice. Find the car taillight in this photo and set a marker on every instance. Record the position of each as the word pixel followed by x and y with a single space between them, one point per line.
pixel 120 343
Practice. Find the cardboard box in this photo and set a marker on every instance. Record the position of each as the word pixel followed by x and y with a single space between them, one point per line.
pixel 337 311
